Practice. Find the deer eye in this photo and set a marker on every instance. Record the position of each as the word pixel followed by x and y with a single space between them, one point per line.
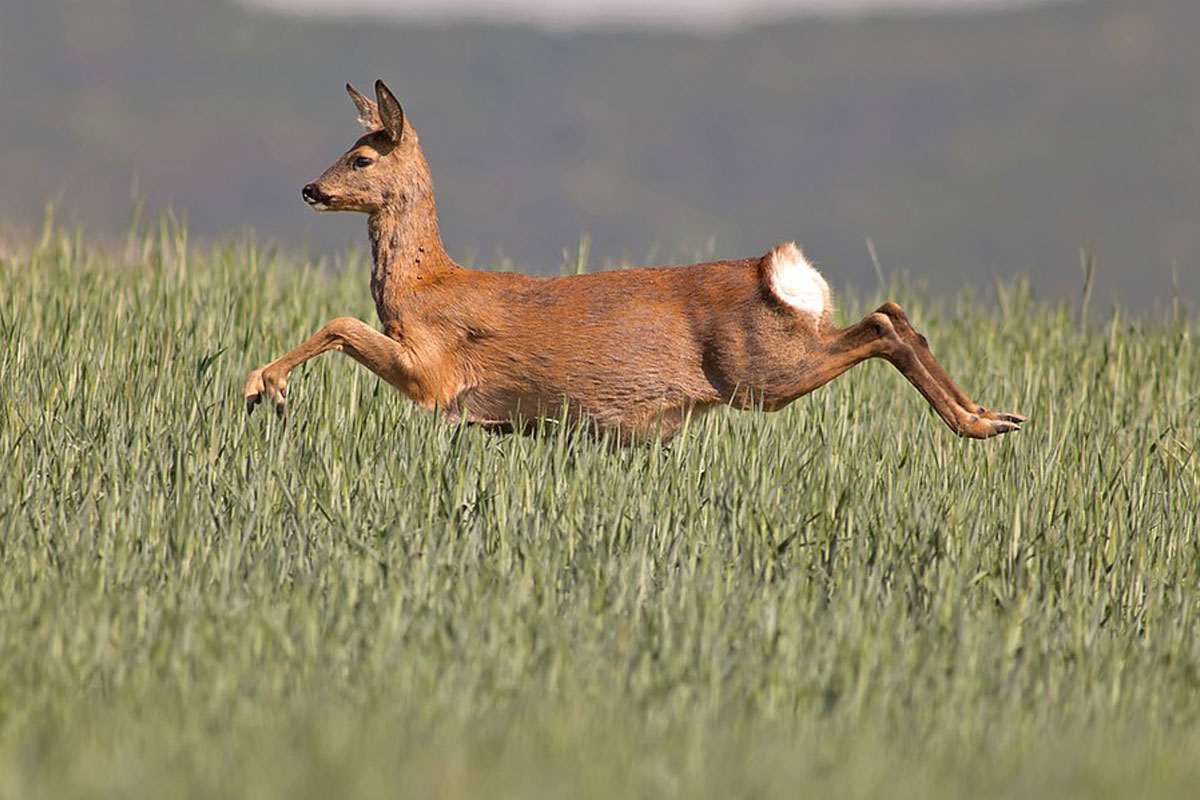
pixel 362 162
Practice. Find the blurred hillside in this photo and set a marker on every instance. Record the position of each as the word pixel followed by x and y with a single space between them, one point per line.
pixel 965 146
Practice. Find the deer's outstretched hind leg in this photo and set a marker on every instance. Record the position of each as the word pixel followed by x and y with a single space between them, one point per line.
pixel 877 336
pixel 920 346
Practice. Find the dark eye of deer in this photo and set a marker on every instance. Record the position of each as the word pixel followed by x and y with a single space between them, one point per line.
pixel 362 162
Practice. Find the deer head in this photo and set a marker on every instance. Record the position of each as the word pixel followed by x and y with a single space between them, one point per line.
pixel 385 168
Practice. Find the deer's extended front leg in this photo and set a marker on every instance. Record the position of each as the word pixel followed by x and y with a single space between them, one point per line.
pixel 375 351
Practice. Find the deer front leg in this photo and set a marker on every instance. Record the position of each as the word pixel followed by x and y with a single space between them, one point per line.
pixel 377 352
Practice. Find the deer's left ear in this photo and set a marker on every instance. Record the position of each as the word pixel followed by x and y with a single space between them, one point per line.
pixel 390 114
pixel 368 112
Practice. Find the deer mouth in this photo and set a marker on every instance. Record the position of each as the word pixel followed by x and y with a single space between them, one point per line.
pixel 316 198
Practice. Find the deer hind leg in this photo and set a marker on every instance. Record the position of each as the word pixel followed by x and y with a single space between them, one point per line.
pixel 375 351
pixel 920 346
pixel 877 337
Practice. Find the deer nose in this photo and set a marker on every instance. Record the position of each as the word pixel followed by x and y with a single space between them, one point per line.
pixel 310 192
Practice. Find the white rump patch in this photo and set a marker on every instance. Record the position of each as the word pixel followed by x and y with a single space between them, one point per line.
pixel 796 282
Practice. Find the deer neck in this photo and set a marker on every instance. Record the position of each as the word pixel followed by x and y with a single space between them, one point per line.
pixel 406 248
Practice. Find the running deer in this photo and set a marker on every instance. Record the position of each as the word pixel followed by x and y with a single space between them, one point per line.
pixel 631 351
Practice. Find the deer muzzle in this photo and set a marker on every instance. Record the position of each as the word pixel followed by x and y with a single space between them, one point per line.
pixel 316 198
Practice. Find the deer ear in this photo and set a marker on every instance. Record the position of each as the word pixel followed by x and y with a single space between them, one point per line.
pixel 368 112
pixel 390 114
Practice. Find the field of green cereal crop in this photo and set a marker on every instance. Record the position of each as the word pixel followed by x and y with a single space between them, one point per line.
pixel 838 600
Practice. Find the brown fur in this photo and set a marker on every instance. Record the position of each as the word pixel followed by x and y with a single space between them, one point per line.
pixel 633 351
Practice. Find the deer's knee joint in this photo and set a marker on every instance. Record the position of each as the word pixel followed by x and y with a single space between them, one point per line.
pixel 339 332
pixel 342 329
pixel 343 324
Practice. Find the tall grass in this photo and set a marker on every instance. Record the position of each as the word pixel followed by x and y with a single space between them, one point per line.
pixel 840 599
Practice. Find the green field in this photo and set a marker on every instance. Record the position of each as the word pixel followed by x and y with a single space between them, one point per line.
pixel 839 600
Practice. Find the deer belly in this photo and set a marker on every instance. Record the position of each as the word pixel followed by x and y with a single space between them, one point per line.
pixel 495 405
pixel 623 399
pixel 631 422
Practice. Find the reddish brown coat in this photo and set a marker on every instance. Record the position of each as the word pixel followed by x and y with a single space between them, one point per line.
pixel 633 351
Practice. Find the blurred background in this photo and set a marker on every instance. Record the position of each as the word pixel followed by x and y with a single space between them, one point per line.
pixel 967 140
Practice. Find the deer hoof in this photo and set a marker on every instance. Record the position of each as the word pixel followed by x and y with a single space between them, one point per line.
pixel 260 384
pixel 254 390
pixel 981 427
pixel 1005 416
pixel 1000 426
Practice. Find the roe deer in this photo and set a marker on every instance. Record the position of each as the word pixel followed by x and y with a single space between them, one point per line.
pixel 631 351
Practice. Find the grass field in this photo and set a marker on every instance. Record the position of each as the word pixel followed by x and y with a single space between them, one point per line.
pixel 839 600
